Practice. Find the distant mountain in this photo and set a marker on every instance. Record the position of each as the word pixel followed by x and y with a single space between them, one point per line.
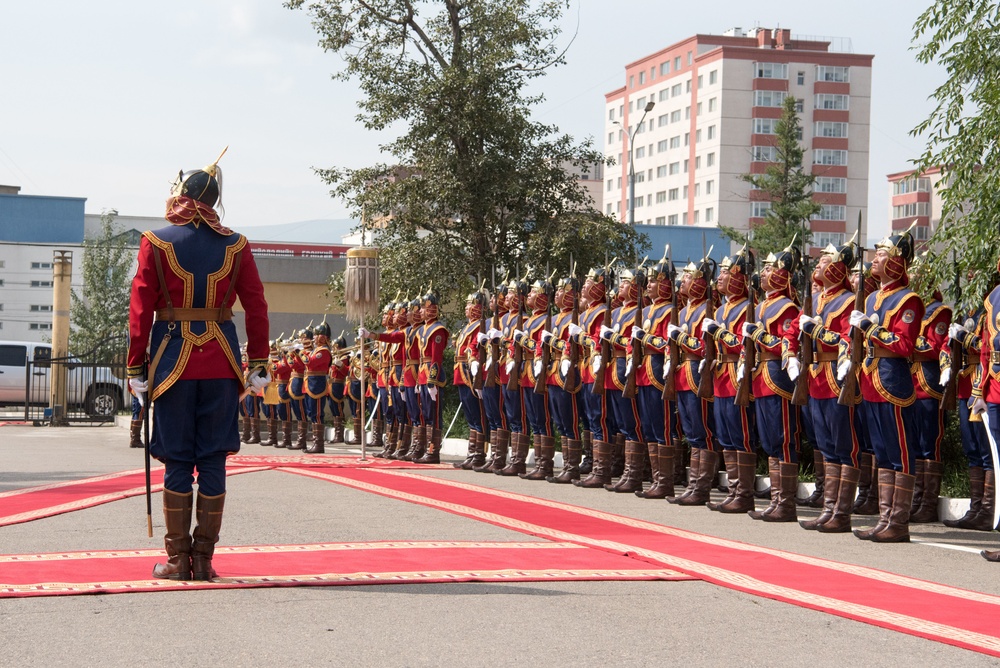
pixel 305 231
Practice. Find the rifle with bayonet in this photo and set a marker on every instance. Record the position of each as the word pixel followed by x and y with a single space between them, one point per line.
pixel 673 352
pixel 605 344
pixel 541 382
pixel 800 396
pixel 849 391
pixel 749 347
pixel 706 385
pixel 514 382
pixel 491 374
pixel 949 400
pixel 635 359
pixel 480 375
pixel 573 377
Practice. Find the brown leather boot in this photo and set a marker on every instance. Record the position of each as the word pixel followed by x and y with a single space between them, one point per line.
pixel 254 430
pixel 661 456
pixel 815 500
pixel 587 452
pixel 680 474
pixel 618 456
pixel 300 442
pixel 867 501
pixel 732 473
pixel 785 511
pixel 378 436
pixel 498 461
pixel 977 481
pixel 841 520
pixel 708 466
pixel 601 473
pixel 355 432
pixel 928 510
pixel 572 451
pixel 418 444
pixel 690 476
pixel 519 454
pixel 316 447
pixel 919 466
pixel 886 485
pixel 135 434
pixel 631 481
pixel 206 535
pixel 536 450
pixel 286 434
pixel 404 442
pixel 245 437
pixel 990 555
pixel 746 468
pixel 626 471
pixel 831 488
pixel 391 440
pixel 432 453
pixel 272 432
pixel 177 541
pixel 898 529
pixel 338 430
pixel 480 457
pixel 774 471
pixel 984 520
pixel 466 464
pixel 543 464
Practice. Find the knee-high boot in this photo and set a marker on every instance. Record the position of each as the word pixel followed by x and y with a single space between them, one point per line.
pixel 498 459
pixel 788 485
pixel 286 434
pixel 177 541
pixel 886 485
pixel 732 473
pixel 316 447
pixel 831 489
pixel 432 449
pixel 774 471
pixel 519 454
pixel 841 520
pixel 976 483
pixel 272 432
pixel 245 437
pixel 867 501
pixel 206 535
pixel 338 430
pixel 470 453
pixel 355 432
pixel 618 456
pixel 928 510
pixel 403 442
pixel 746 468
pixel 135 434
pixel 300 442
pixel 815 500
pixel 898 529
pixel 631 480
pixel 691 476
pixel 661 457
pixel 600 475
pixel 572 452
pixel 919 466
pixel 708 466
pixel 544 456
pixel 586 452
pixel 680 475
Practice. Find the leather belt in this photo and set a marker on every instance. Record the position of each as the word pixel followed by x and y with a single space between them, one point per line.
pixel 727 358
pixel 825 357
pixel 767 356
pixel 994 357
pixel 315 374
pixel 195 314
pixel 883 352
pixel 689 357
pixel 618 353
pixel 924 357
pixel 427 360
pixel 412 360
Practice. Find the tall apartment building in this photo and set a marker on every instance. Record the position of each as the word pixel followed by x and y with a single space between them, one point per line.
pixel 716 100
pixel 913 196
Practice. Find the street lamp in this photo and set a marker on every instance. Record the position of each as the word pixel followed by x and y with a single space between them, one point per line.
pixel 631 165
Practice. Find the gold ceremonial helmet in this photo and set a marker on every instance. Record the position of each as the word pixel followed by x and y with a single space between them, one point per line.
pixel 846 253
pixel 899 245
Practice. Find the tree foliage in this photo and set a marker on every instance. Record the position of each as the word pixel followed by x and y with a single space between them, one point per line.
pixel 473 182
pixel 961 133
pixel 100 309
pixel 787 186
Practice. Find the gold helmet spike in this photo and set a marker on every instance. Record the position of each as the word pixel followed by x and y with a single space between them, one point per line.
pixel 214 167
pixel 791 244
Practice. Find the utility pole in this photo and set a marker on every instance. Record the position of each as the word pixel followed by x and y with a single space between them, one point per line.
pixel 62 274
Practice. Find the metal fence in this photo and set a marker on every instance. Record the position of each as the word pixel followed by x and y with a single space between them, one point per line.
pixel 96 385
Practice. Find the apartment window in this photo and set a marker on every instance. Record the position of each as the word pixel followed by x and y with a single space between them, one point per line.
pixel 675 142
pixel 711 132
pixel 800 106
pixel 1 282
pixel 911 185
pixel 769 98
pixel 689 57
pixel 713 77
pixel 684 218
pixel 664 94
pixel 709 187
pixel 674 168
pixel 638 202
pixel 699 108
pixel 687 138
pixel 611 184
pixel 611 114
pixel 828 101
pixel 640 177
pixel 661 171
pixel 665 68
pixel 672 219
pixel 759 209
pixel 619 139
pixel 675 90
pixel 621 110
pixel 824 239
pixel 609 208
pixel 696 212
pixel 41 265
pixel 697 136
pixel 40 326
pixel 712 104
pixel 687 86
pixel 826 156
pixel 640 152
pixel 830 129
pixel 800 79
pixel 830 184
pixel 642 79
pixel 3 263
pixel 709 215
pixel 685 192
pixel 910 210
pixel 662 120
pixel 1 307
pixel 611 137
pixel 701 81
pixel 671 195
pixel 641 102
pixel 661 197
pixel 765 126
pixel 649 202
pixel 697 162
pixel 697 190
pixel 618 182
pixel 687 113
pixel 921 232
pixel 710 159
pixel 831 73
pixel 618 207
pixel 40 308
pixel 661 146
pixel 675 116
pixel 763 153
pixel 41 284
pixel 686 164
pixel 631 82
pixel 770 70
pixel 832 212
pixel 677 63
pixel 661 220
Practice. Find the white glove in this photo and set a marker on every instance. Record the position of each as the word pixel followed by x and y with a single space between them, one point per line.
pixel 701 366
pixel 337 363
pixel 666 370
pixel 708 322
pixel 945 376
pixel 749 328
pixel 259 382
pixel 804 319
pixel 489 363
pixel 855 318
pixel 538 368
pixel 494 334
pixel 510 366
pixel 671 328
pixel 842 369
pixel 628 366
pixel 478 393
pixel 793 368
pixel 739 374
pixel 595 365
pixel 481 338
pixel 606 332
pixel 564 367
pixel 575 329
pixel 546 335
pixel 955 331
pixel 474 367
pixel 432 391
pixel 517 334
pixel 139 386
pixel 977 406
pixel 402 397
pixel 364 333
pixel 638 334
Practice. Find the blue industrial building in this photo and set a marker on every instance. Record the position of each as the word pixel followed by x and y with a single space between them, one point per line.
pixel 685 242
pixel 35 219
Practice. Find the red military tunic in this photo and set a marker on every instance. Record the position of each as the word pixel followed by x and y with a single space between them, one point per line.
pixel 432 339
pixel 692 346
pixel 467 351
pixel 931 341
pixel 831 340
pixel 900 312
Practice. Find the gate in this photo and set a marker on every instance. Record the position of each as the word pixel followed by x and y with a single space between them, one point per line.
pixel 96 384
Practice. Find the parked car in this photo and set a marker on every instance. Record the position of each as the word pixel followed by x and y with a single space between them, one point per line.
pixel 25 364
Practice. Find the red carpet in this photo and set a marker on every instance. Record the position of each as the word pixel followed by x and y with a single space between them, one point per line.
pixel 326 564
pixel 32 503
pixel 327 461
pixel 926 609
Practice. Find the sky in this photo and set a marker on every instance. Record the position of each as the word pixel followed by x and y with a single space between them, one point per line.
pixel 108 99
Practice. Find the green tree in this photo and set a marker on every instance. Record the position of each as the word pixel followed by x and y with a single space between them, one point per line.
pixel 100 309
pixel 961 133
pixel 787 186
pixel 473 182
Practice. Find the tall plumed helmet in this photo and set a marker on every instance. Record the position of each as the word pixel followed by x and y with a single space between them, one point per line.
pixel 307 331
pixel 430 298
pixel 740 263
pixel 788 259
pixel 570 283
pixel 847 253
pixel 705 268
pixel 340 341
pixel 663 271
pixel 322 329
pixel 519 286
pixel 202 185
pixel 478 298
pixel 899 245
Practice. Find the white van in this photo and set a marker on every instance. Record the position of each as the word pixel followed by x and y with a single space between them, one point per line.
pixel 95 388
